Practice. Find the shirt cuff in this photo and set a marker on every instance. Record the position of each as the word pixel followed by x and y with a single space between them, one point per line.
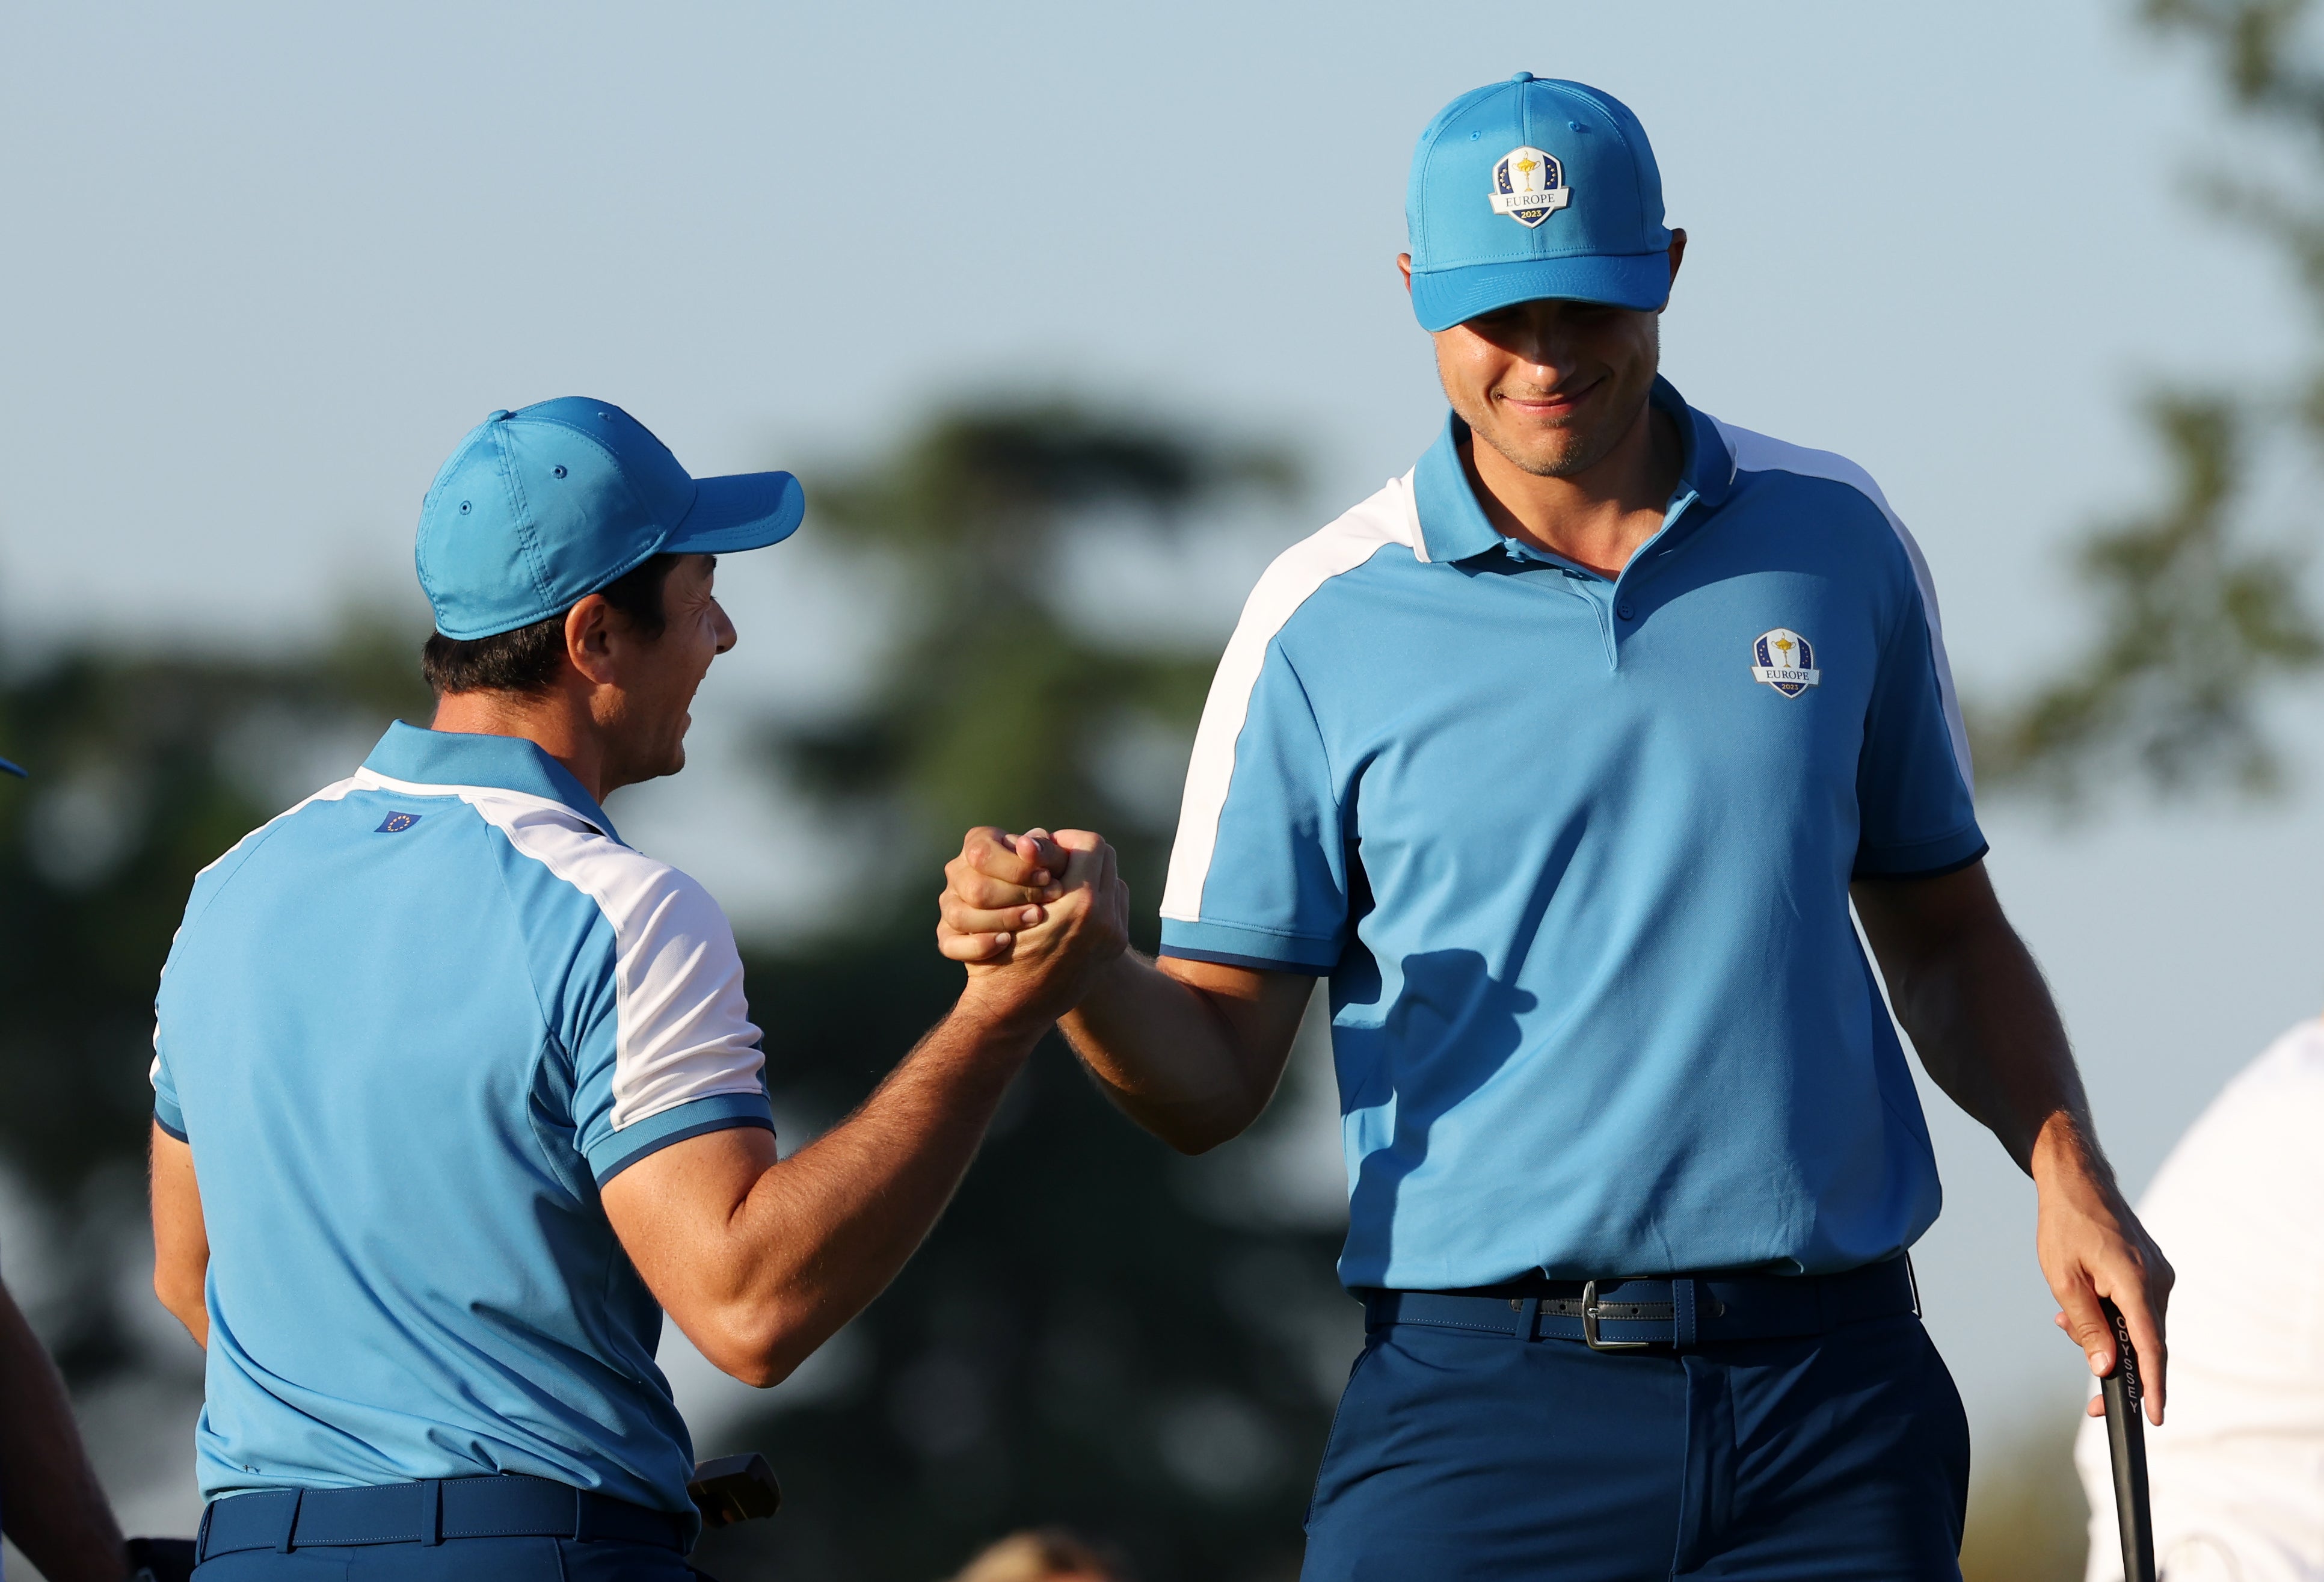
pixel 720 1111
pixel 1923 859
pixel 1236 944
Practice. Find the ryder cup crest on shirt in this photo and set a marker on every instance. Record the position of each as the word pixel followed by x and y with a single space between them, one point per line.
pixel 1529 186
pixel 1785 661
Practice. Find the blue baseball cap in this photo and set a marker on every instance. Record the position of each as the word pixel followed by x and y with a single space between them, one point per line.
pixel 1530 188
pixel 540 507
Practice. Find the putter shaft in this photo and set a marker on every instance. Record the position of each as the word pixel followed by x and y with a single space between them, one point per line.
pixel 2127 1440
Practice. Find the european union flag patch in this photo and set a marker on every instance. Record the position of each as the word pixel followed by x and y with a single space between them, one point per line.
pixel 396 823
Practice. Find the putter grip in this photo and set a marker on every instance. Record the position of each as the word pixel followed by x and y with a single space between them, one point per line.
pixel 2127 1440
pixel 735 1488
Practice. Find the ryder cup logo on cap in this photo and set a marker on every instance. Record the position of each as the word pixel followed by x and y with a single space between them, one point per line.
pixel 541 507
pixel 1534 189
pixel 1529 186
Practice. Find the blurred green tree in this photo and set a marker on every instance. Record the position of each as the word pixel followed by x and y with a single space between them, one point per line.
pixel 2199 613
pixel 998 701
pixel 1082 1341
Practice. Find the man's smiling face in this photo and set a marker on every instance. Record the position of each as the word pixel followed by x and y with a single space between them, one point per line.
pixel 1552 386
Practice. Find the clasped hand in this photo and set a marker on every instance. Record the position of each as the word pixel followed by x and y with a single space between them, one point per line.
pixel 1034 918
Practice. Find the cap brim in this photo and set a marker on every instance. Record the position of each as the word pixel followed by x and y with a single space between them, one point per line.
pixel 742 511
pixel 1446 297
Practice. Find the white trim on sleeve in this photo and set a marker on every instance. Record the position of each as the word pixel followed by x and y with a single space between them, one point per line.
pixel 1388 517
pixel 682 1025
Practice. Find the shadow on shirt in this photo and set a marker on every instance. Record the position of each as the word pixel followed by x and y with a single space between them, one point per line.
pixel 1453 1026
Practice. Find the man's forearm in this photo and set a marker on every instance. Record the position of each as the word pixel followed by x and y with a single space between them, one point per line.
pixel 1990 1035
pixel 50 1498
pixel 1194 1065
pixel 835 1223
pixel 1967 991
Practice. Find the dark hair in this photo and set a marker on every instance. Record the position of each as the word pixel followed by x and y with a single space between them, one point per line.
pixel 525 660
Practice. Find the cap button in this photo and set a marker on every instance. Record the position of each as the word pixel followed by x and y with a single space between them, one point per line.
pixel 1522 77
pixel 502 416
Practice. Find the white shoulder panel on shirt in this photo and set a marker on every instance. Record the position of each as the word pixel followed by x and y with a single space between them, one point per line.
pixel 1388 517
pixel 685 1030
pixel 1754 452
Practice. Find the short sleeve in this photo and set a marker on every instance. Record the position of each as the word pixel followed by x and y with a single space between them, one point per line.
pixel 167 1112
pixel 1258 876
pixel 169 1003
pixel 1916 820
pixel 663 1045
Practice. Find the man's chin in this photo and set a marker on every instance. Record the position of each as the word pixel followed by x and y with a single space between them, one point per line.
pixel 1561 458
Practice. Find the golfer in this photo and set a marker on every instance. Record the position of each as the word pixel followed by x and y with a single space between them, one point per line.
pixel 455 1093
pixel 1562 757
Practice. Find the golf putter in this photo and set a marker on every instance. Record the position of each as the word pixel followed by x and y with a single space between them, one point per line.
pixel 2127 1439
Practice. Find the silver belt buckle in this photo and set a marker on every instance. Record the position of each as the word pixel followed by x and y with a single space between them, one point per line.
pixel 1590 1324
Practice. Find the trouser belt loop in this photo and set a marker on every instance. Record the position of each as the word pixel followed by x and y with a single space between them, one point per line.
pixel 202 1535
pixel 290 1523
pixel 1683 1310
pixel 431 1512
pixel 1528 1317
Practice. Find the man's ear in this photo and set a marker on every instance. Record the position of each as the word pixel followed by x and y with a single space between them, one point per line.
pixel 1677 255
pixel 588 638
pixel 1404 267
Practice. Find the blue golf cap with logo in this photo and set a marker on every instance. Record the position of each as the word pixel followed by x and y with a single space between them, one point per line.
pixel 540 507
pixel 1532 189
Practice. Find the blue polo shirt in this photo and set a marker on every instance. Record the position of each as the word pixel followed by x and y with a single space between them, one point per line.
pixel 410 1028
pixel 1575 855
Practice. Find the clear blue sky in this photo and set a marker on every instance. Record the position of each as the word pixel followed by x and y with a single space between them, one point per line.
pixel 267 263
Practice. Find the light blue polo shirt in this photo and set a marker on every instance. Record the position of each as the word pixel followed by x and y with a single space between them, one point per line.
pixel 1575 855
pixel 410 1028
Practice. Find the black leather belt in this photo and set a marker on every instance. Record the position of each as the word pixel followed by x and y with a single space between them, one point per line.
pixel 509 1505
pixel 1680 1312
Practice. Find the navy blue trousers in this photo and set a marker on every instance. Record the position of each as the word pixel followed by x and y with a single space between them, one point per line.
pixel 462 1559
pixel 1467 1458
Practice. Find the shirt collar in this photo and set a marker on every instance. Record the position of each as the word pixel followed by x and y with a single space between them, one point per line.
pixel 505 763
pixel 1454 527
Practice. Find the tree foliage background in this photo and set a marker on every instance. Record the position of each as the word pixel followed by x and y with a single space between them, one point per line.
pixel 2199 610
